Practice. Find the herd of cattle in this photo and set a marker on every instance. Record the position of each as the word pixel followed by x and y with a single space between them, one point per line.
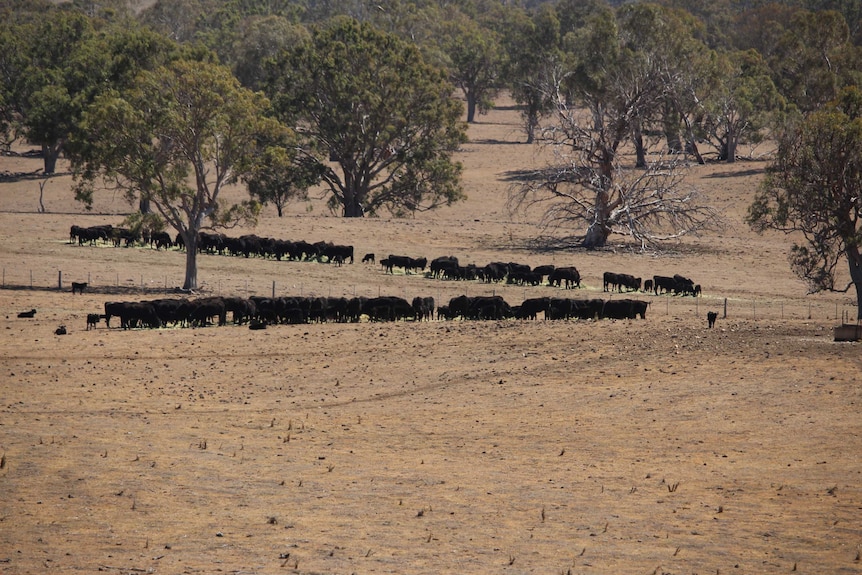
pixel 215 243
pixel 444 267
pixel 261 311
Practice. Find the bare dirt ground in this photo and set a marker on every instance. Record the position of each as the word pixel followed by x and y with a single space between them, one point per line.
pixel 647 446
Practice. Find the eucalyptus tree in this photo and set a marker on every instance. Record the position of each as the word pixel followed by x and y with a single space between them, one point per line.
pixel 384 118
pixel 474 57
pixel 814 59
pixel 742 105
pixel 534 61
pixel 176 137
pixel 813 188
pixel 616 87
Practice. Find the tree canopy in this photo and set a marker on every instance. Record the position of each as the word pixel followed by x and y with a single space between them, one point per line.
pixel 384 119
pixel 177 136
pixel 814 189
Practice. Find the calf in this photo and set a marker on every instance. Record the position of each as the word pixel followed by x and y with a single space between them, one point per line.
pixel 710 318
pixel 368 258
pixel 79 287
pixel 60 330
pixel 93 320
pixel 30 313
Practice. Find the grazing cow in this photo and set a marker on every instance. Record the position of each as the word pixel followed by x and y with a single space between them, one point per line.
pixel 388 308
pixel 30 313
pixel 443 312
pixel 368 258
pixel 204 309
pixel 442 266
pixel 423 308
pixel 544 270
pixel 684 285
pixel 664 284
pixel 609 281
pixel 710 319
pixel 531 307
pixel 567 277
pixel 647 286
pixel 93 320
pixel 406 262
pixel 121 235
pixel 132 314
pixel 79 287
pixel 334 253
pixel 243 310
pixel 625 309
pixel 161 240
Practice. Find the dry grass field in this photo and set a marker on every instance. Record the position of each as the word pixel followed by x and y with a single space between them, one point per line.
pixel 546 447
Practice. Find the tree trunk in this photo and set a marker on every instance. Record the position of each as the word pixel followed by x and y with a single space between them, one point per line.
pixel 731 148
pixel 598 232
pixel 144 205
pixel 191 281
pixel 855 261
pixel 640 151
pixel 49 157
pixel 471 107
pixel 352 206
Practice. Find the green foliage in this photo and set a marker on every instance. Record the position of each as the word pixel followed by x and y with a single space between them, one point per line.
pixel 381 114
pixel 742 105
pixel 813 59
pixel 176 137
pixel 282 173
pixel 814 188
pixel 475 60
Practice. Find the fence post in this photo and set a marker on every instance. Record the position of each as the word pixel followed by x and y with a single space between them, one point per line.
pixel 725 309
pixel 273 289
pixel 60 280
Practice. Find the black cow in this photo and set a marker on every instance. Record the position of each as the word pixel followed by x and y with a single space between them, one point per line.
pixel 567 277
pixel 132 314
pixel 624 309
pixel 79 287
pixel 172 311
pixel 664 284
pixel 710 319
pixel 406 262
pixel 161 240
pixel 544 270
pixel 336 253
pixel 440 266
pixel 387 308
pixel 243 309
pixel 368 258
pixel 31 313
pixel 531 307
pixel 203 310
pixel 423 308
pixel 93 320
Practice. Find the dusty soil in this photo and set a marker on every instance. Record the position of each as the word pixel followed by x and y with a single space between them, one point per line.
pixel 648 446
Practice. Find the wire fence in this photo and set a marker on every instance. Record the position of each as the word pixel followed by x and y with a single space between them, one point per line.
pixel 810 308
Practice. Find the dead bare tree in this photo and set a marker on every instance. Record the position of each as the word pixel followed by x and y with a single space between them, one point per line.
pixel 587 189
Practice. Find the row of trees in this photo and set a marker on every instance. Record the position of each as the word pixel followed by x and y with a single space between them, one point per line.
pixel 204 94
